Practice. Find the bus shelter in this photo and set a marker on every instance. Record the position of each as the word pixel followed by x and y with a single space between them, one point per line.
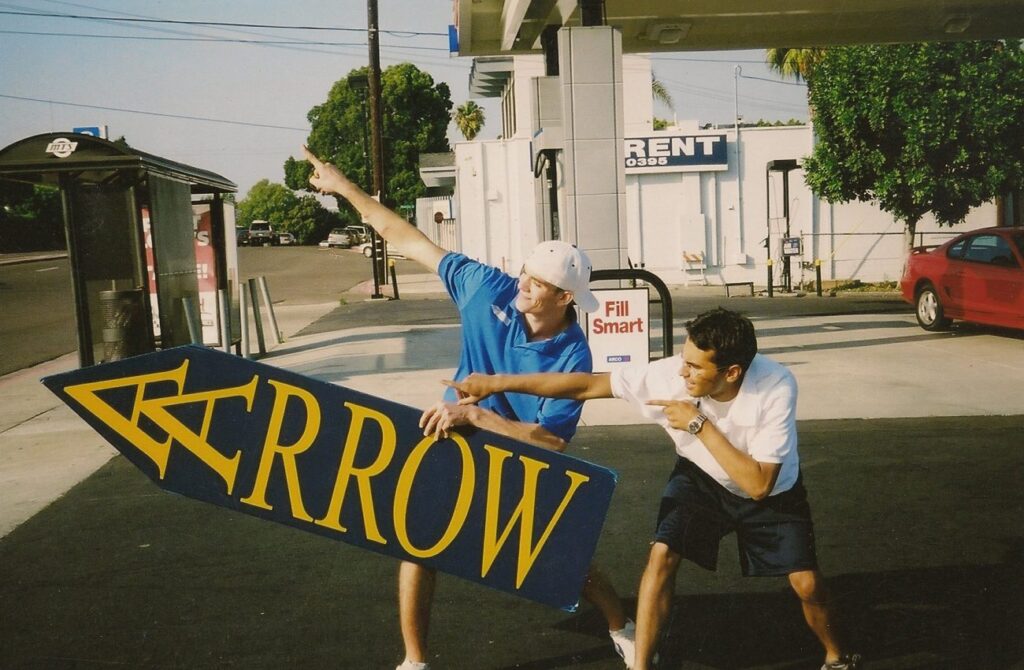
pixel 151 244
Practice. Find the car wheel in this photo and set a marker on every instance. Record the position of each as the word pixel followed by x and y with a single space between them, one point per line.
pixel 929 311
pixel 368 252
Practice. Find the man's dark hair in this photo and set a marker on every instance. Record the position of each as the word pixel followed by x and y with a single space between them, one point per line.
pixel 729 334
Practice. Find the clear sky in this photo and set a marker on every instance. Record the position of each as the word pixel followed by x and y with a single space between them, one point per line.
pixel 253 98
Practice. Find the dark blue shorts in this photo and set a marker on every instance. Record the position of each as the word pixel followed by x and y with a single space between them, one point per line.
pixel 775 535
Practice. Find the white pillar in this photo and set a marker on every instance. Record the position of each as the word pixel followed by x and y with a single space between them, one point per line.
pixel 594 218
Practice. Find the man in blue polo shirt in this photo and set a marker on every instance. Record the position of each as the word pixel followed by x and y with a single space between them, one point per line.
pixel 509 325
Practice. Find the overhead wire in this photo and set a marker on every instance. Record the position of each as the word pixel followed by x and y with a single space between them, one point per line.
pixel 228 24
pixel 300 44
pixel 235 40
pixel 123 110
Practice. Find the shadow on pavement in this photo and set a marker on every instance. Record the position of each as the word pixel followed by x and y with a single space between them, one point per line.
pixel 918 524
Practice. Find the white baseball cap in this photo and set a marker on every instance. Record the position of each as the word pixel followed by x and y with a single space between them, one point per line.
pixel 565 266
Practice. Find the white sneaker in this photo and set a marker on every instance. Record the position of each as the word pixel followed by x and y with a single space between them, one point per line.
pixel 413 665
pixel 623 639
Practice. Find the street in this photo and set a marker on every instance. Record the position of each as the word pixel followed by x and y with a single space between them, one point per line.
pixel 38 321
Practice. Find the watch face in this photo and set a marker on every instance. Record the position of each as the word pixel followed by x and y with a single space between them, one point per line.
pixel 696 424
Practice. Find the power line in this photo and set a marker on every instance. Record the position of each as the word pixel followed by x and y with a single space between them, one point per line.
pixel 732 61
pixel 775 81
pixel 235 40
pixel 161 114
pixel 229 24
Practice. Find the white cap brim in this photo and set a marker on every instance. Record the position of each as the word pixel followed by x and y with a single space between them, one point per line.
pixel 586 300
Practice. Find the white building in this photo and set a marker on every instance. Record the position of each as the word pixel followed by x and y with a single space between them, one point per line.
pixel 699 203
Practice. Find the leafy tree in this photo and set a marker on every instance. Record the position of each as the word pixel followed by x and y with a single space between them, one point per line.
pixel 266 201
pixel 415 114
pixel 660 93
pixel 919 128
pixel 469 119
pixel 309 221
pixel 764 123
pixel 796 63
pixel 31 217
pixel 304 217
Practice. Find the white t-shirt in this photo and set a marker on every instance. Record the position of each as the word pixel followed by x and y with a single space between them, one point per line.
pixel 759 421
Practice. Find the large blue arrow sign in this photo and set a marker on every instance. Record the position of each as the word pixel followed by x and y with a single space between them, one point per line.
pixel 349 466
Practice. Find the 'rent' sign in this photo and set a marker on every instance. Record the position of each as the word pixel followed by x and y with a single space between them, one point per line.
pixel 349 466
pixel 676 153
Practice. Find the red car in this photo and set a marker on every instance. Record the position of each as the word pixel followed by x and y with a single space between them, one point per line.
pixel 977 277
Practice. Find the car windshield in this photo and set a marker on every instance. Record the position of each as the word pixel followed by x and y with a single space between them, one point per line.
pixel 261 225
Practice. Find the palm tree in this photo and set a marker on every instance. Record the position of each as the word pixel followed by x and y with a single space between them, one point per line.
pixel 469 118
pixel 796 63
pixel 660 93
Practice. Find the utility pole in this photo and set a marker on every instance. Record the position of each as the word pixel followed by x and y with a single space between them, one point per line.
pixel 376 140
pixel 737 73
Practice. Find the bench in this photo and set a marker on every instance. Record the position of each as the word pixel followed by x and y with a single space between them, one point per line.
pixel 731 285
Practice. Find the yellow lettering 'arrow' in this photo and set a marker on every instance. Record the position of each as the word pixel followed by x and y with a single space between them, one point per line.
pixel 156 410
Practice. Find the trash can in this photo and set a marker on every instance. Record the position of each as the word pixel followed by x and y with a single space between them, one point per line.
pixel 124 324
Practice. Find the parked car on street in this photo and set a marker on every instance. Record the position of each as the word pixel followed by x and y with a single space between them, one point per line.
pixel 241 236
pixel 359 233
pixel 285 238
pixel 366 249
pixel 976 277
pixel 262 233
pixel 339 237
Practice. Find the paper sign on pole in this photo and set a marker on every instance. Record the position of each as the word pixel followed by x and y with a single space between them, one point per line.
pixel 619 331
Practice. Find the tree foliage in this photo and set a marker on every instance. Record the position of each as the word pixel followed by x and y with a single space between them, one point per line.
pixel 304 217
pixel 415 116
pixel 266 201
pixel 660 93
pixel 796 63
pixel 31 217
pixel 310 222
pixel 469 119
pixel 919 128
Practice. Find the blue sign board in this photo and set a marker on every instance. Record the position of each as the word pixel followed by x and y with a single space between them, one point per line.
pixel 350 467
pixel 676 153
pixel 453 39
pixel 95 131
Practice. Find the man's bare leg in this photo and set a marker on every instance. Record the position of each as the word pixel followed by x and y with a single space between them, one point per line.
pixel 814 597
pixel 598 590
pixel 654 601
pixel 415 597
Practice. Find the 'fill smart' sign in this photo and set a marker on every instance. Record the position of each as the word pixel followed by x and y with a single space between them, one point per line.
pixel 619 331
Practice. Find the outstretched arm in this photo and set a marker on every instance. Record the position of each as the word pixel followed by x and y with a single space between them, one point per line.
pixel 574 385
pixel 397 231
pixel 442 417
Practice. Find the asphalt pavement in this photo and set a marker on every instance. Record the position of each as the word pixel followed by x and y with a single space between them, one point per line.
pixel 911 450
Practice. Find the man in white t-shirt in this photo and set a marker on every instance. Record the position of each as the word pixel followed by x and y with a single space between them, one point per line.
pixel 731 414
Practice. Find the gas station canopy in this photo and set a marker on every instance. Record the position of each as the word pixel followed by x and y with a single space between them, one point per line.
pixel 493 27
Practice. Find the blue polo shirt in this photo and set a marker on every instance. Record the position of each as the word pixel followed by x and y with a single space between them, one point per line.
pixel 494 341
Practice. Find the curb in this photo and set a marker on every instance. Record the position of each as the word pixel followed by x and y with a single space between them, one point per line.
pixel 18 260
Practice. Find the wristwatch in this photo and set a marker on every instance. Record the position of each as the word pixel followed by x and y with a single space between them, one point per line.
pixel 696 423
